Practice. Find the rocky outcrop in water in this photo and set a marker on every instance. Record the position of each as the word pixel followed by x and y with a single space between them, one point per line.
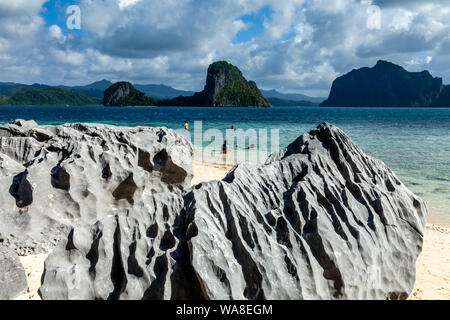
pixel 13 281
pixel 75 174
pixel 385 85
pixel 320 220
pixel 225 87
pixel 125 94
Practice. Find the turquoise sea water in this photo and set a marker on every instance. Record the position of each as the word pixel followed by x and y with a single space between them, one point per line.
pixel 414 142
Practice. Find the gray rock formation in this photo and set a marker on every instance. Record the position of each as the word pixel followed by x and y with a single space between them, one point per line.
pixel 56 176
pixel 13 281
pixel 320 220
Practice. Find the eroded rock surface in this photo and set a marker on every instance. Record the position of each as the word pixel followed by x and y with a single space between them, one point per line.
pixel 56 176
pixel 13 281
pixel 320 220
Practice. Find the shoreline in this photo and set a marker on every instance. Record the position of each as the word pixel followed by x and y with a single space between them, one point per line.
pixel 438 218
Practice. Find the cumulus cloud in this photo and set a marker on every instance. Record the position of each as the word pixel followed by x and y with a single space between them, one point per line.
pixel 20 30
pixel 56 33
pixel 303 47
pixel 127 3
pixel 417 61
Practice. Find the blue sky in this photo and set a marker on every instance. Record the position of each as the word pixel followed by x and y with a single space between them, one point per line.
pixel 53 12
pixel 255 22
pixel 288 45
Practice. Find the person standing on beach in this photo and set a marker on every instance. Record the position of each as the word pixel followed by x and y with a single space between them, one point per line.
pixel 224 147
pixel 186 125
pixel 234 129
pixel 224 151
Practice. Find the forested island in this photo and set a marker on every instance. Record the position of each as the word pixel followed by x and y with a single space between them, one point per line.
pixel 388 85
pixel 384 85
pixel 225 87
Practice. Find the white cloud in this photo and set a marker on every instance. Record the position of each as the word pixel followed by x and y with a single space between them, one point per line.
pixel 23 6
pixel 126 3
pixel 401 20
pixel 68 57
pixel 55 32
pixel 416 61
pixel 174 41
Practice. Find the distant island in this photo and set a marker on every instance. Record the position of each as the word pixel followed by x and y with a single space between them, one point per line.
pixel 225 87
pixel 238 91
pixel 29 95
pixel 388 85
pixel 125 94
pixel 384 85
pixel 277 102
pixel 294 97
pixel 92 94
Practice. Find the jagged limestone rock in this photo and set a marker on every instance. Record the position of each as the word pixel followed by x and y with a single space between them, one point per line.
pixel 319 220
pixel 13 281
pixel 74 174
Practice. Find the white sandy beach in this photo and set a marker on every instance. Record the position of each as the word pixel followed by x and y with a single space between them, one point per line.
pixel 433 265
